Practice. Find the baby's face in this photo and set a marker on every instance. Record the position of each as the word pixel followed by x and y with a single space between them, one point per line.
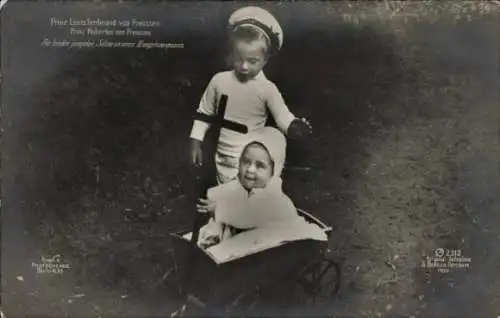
pixel 256 167
pixel 249 58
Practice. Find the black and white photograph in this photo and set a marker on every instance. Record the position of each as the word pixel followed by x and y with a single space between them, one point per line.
pixel 250 159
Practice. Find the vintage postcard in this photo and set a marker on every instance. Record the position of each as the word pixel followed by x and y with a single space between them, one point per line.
pixel 327 159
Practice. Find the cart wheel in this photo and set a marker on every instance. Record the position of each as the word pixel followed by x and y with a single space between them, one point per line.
pixel 170 277
pixel 244 303
pixel 319 281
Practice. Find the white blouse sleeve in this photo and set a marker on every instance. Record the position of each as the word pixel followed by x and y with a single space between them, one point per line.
pixel 206 107
pixel 278 108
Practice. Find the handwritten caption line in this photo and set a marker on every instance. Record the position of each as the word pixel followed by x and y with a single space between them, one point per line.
pixel 102 43
pixel 103 22
pixel 80 30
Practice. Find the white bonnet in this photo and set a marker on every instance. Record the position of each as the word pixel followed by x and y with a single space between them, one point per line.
pixel 275 143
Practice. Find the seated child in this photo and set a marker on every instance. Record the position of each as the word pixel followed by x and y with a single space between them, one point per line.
pixel 255 198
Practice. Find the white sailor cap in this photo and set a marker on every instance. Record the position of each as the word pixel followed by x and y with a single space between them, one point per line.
pixel 261 19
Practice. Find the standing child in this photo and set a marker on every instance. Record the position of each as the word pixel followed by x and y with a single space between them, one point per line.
pixel 255 36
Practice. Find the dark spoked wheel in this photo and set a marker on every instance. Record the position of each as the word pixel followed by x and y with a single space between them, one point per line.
pixel 319 281
pixel 171 276
pixel 243 303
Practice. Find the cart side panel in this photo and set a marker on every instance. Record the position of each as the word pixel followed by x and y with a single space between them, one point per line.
pixel 269 267
pixel 202 268
pixel 216 284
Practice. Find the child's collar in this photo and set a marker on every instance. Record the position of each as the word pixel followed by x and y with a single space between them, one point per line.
pixel 274 184
pixel 259 76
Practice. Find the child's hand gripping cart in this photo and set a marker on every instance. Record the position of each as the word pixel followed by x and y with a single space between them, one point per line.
pixel 234 274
